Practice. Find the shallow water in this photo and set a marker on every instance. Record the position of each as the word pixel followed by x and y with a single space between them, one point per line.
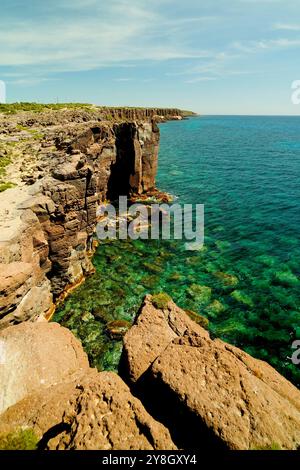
pixel 246 171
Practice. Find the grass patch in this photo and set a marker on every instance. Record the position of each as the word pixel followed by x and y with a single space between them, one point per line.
pixel 14 108
pixel 24 439
pixel 4 162
pixel 272 446
pixel 161 300
pixel 5 186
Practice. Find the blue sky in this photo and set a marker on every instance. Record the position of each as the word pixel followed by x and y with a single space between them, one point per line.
pixel 211 56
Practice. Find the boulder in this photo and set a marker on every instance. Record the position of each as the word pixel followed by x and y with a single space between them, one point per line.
pixel 210 393
pixel 48 389
pixel 95 412
pixel 34 355
pixel 153 331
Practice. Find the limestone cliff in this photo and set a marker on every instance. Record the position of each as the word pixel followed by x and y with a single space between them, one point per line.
pixel 63 165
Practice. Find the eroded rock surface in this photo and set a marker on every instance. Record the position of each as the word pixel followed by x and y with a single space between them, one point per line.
pixel 35 355
pixel 215 393
pixel 64 164
pixel 46 379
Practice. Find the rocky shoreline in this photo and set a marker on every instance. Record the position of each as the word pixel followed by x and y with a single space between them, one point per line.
pixel 177 388
pixel 63 165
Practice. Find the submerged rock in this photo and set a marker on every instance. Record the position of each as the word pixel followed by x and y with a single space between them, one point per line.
pixel 117 329
pixel 200 294
pixel 197 318
pixel 287 278
pixel 228 280
pixel 215 308
pixel 242 298
pixel 153 268
pixel 150 281
pixel 175 277
pixel 210 393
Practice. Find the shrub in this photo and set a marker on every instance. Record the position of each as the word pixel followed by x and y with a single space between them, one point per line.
pixel 23 439
pixel 272 446
pixel 5 186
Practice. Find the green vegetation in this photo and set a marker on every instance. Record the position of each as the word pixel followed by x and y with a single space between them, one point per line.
pixel 4 161
pixel 272 446
pixel 199 319
pixel 23 439
pixel 5 186
pixel 22 128
pixel 14 108
pixel 188 113
pixel 161 300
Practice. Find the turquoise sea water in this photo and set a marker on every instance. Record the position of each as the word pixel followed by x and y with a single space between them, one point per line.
pixel 246 280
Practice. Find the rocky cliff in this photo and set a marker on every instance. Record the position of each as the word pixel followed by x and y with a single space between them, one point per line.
pixel 177 388
pixel 63 164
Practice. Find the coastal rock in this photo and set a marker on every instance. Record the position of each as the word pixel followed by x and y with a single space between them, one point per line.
pixel 35 355
pixel 76 159
pixel 47 387
pixel 25 289
pixel 215 393
pixel 153 331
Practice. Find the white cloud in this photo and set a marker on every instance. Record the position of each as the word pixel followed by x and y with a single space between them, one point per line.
pixel 80 35
pixel 107 33
pixel 201 79
pixel 31 81
pixel 264 45
pixel 286 27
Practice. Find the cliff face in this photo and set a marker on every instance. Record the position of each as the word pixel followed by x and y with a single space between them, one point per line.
pixel 64 165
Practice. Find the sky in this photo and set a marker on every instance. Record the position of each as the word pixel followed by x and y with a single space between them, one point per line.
pixel 209 56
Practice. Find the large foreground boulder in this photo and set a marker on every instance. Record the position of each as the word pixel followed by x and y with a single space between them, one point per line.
pixel 49 390
pixel 96 412
pixel 207 392
pixel 35 355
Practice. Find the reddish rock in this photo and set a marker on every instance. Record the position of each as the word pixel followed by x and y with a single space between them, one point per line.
pixel 35 355
pixel 216 393
pixel 48 386
pixel 80 160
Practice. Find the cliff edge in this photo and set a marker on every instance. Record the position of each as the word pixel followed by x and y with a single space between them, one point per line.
pixel 56 167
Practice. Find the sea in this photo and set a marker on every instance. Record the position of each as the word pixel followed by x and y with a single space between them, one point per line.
pixel 245 280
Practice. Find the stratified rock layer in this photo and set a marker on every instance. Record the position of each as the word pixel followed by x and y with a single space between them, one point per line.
pixel 215 393
pixel 65 164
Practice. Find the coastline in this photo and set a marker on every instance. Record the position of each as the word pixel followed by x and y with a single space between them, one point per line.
pixel 50 233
